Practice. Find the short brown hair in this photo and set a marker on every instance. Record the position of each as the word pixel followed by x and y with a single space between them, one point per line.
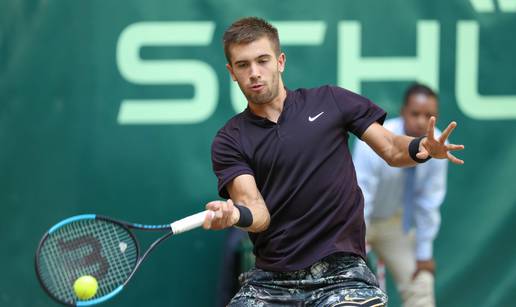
pixel 248 30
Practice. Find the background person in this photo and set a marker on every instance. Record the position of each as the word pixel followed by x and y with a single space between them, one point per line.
pixel 402 205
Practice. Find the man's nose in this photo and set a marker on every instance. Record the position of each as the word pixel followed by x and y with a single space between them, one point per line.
pixel 255 72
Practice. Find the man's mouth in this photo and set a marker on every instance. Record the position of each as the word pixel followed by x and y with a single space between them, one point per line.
pixel 257 87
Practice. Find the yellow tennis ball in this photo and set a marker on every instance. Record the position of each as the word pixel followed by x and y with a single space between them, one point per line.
pixel 85 287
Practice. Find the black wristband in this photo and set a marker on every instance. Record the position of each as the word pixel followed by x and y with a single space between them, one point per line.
pixel 413 149
pixel 246 217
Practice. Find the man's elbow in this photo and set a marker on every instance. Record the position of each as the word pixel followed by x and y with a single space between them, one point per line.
pixel 262 227
pixel 262 224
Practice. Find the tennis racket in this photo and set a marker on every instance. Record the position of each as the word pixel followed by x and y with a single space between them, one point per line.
pixel 99 246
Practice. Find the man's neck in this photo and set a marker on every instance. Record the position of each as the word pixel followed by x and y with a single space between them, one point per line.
pixel 271 110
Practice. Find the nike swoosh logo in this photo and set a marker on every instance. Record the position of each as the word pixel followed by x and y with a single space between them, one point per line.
pixel 310 118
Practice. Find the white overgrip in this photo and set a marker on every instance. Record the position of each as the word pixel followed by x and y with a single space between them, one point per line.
pixel 189 222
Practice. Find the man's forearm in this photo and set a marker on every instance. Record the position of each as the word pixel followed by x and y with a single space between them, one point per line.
pixel 390 147
pixel 243 191
pixel 398 153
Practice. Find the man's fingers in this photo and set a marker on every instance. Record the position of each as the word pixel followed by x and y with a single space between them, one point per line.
pixel 446 132
pixel 220 218
pixel 430 129
pixel 211 221
pixel 423 154
pixel 224 213
pixel 454 147
pixel 213 205
pixel 454 159
pixel 207 219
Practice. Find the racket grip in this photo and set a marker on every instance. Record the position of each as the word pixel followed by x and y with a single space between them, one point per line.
pixel 188 223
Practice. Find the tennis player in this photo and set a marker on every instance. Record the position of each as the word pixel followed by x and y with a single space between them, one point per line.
pixel 284 166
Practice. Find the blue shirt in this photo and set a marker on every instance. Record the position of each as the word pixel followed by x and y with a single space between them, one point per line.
pixel 383 189
pixel 304 171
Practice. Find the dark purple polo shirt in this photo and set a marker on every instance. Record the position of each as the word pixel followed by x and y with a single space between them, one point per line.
pixel 303 169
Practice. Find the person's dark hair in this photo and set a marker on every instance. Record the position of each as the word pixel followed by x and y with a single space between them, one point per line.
pixel 248 30
pixel 416 89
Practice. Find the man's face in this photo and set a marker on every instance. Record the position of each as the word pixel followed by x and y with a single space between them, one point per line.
pixel 257 70
pixel 417 112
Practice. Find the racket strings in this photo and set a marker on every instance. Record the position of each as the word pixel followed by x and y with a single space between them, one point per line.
pixel 54 258
pixel 123 260
pixel 94 247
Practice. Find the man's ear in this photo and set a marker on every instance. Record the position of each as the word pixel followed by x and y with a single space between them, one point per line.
pixel 282 59
pixel 230 69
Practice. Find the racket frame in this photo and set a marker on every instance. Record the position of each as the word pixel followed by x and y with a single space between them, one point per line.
pixel 128 227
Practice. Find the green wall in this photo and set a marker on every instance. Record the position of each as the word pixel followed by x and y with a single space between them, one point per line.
pixel 109 107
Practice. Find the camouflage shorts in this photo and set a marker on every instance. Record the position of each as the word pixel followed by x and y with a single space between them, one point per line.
pixel 337 280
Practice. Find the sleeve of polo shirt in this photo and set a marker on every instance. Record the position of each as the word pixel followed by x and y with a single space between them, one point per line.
pixel 358 112
pixel 228 161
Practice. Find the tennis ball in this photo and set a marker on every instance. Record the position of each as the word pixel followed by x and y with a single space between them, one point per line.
pixel 85 287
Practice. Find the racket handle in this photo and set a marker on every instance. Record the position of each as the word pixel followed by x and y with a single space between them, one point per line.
pixel 189 222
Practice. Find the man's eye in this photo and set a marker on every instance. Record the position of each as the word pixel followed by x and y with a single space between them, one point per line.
pixel 262 61
pixel 242 65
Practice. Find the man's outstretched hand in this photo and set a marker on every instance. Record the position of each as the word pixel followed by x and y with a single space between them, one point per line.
pixel 438 149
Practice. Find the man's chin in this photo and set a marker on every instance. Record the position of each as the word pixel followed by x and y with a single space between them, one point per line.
pixel 259 99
